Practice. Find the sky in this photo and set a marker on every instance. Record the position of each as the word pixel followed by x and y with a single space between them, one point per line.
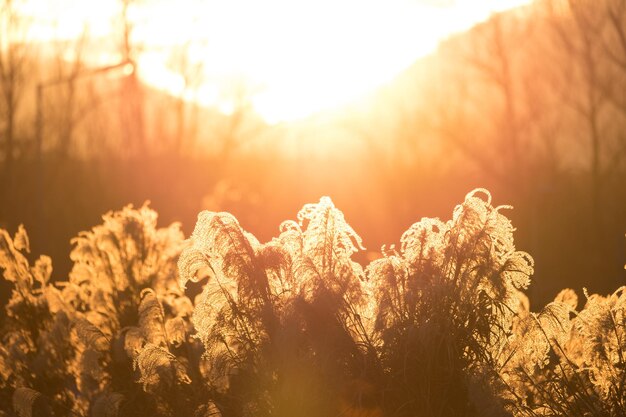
pixel 296 57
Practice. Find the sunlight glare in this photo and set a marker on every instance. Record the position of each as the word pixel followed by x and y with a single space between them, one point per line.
pixel 301 56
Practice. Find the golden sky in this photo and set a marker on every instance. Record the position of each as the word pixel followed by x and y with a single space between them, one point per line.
pixel 299 56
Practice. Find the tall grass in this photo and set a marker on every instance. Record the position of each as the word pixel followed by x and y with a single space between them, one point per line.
pixel 293 327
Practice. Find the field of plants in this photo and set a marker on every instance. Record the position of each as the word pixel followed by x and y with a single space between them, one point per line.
pixel 149 323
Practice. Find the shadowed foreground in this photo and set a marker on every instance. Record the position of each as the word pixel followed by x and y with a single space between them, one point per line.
pixel 222 325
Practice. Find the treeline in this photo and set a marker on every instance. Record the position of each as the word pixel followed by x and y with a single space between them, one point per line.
pixel 531 102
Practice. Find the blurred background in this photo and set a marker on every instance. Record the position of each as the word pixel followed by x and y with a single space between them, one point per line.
pixel 396 109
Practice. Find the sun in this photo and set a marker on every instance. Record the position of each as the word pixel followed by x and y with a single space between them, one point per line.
pixel 295 57
pixel 301 57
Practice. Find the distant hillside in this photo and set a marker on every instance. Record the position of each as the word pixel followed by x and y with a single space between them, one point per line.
pixel 531 102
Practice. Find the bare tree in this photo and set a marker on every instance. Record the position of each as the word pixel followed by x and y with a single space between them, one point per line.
pixel 13 62
pixel 615 84
pixel 239 125
pixel 496 66
pixel 615 47
pixel 70 67
pixel 132 100
pixel 15 56
pixel 186 102
pixel 577 29
pixel 478 105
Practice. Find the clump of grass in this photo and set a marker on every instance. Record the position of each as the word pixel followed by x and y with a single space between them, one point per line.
pixel 295 328
pixel 445 306
pixel 279 321
pixel 88 345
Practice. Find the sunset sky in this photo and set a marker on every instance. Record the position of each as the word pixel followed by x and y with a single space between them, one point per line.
pixel 296 57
